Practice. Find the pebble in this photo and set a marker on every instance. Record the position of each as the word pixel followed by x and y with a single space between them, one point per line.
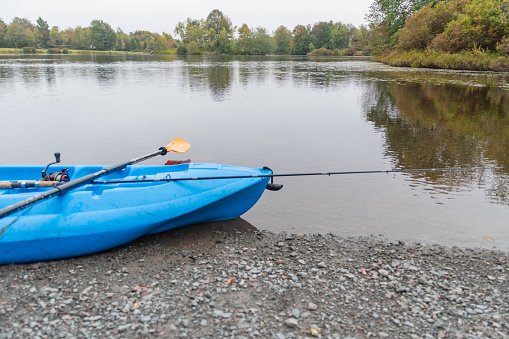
pixel 265 285
pixel 292 322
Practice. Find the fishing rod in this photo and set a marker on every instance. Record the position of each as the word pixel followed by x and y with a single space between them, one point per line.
pixel 276 187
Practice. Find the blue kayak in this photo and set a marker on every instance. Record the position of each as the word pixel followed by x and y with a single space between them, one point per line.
pixel 119 207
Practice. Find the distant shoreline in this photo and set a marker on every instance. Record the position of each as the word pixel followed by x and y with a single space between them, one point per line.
pixel 464 61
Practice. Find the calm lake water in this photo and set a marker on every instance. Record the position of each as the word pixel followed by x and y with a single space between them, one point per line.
pixel 291 114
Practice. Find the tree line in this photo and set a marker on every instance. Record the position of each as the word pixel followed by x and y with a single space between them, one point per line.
pixel 215 34
pixel 21 32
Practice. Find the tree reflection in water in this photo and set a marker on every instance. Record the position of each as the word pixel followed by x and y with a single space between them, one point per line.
pixel 429 125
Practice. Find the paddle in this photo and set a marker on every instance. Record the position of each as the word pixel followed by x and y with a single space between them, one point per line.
pixel 177 145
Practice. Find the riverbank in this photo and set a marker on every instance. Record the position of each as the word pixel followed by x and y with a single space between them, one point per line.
pixel 468 60
pixel 226 279
pixel 76 51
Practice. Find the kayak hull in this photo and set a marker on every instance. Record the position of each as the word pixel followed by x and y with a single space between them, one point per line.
pixel 99 216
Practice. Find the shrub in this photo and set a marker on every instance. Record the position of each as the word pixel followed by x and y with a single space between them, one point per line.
pixel 478 60
pixel 501 64
pixel 181 50
pixel 192 48
pixel 320 52
pixel 503 46
pixel 348 52
pixel 65 51
pixel 29 50
pixel 54 51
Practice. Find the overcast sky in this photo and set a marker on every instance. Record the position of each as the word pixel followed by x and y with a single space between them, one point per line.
pixel 159 15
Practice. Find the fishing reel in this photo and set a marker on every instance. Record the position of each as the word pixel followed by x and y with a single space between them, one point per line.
pixel 62 176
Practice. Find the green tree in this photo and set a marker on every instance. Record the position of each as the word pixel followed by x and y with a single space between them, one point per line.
pixel 122 41
pixel 102 35
pixel 155 43
pixel 245 36
pixel 24 22
pixel 219 30
pixel 3 29
pixel 218 21
pixel 283 38
pixel 54 37
pixel 392 14
pixel 223 41
pixel 262 42
pixel 374 40
pixel 18 36
pixel 193 30
pixel 360 42
pixel 338 36
pixel 301 39
pixel 134 44
pixel 82 38
pixel 192 48
pixel 43 28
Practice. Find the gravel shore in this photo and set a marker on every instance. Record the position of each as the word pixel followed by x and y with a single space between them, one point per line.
pixel 226 279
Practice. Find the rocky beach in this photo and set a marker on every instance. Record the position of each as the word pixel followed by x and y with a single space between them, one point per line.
pixel 229 280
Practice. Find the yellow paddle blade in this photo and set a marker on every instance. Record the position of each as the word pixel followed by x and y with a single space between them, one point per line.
pixel 178 145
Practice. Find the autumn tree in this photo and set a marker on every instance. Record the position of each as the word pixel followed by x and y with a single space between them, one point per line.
pixel 320 34
pixel 482 24
pixel 424 25
pixel 456 25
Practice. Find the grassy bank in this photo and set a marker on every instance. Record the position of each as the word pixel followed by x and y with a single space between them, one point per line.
pixel 469 60
pixel 76 51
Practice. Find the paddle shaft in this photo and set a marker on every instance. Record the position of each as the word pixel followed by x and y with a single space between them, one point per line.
pixel 297 174
pixel 59 190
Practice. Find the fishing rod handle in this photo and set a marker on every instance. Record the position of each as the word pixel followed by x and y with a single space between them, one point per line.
pixel 28 184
